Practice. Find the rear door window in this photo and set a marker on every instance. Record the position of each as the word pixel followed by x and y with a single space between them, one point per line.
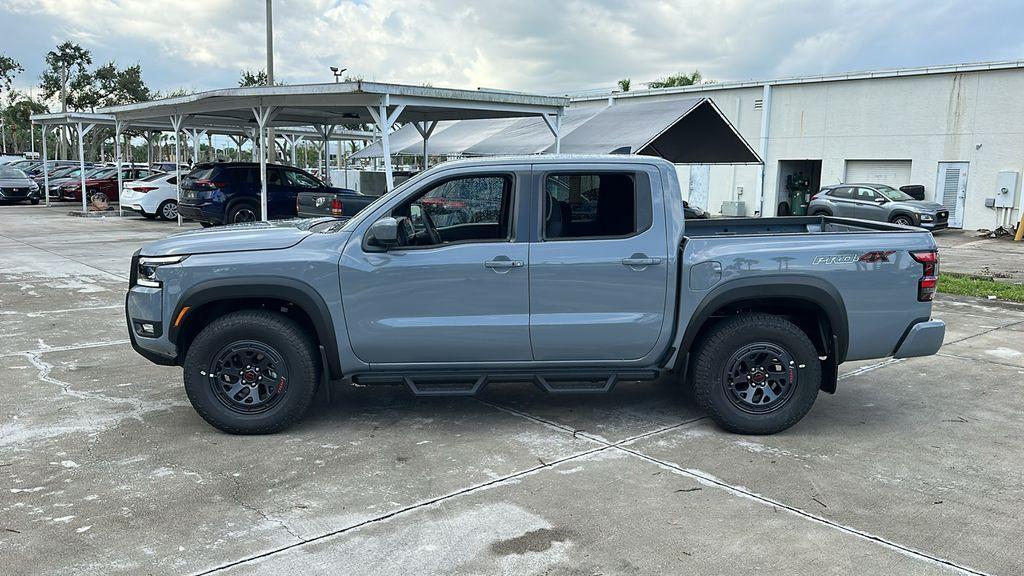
pixel 589 205
pixel 844 192
pixel 295 178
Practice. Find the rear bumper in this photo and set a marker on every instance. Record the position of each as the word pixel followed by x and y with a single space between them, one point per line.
pixel 201 213
pixel 923 339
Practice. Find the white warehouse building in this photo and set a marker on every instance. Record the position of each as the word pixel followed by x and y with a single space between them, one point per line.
pixel 956 130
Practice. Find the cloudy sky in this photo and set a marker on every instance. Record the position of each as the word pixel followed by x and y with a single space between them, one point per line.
pixel 530 45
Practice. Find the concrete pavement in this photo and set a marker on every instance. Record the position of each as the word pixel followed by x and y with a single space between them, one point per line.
pixel 913 467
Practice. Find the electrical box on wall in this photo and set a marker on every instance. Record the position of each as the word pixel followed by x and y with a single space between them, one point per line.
pixel 1006 189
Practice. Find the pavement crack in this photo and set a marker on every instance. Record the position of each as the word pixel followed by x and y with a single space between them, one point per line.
pixel 404 510
pixel 711 481
pixel 236 497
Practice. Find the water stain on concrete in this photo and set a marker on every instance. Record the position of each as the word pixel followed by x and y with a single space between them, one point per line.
pixel 533 541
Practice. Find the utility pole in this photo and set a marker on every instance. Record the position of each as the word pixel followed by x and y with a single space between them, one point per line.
pixel 271 152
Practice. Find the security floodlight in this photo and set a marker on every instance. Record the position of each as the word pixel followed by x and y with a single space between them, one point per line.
pixel 337 73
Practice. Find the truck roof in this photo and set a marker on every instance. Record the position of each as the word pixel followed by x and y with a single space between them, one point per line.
pixel 560 159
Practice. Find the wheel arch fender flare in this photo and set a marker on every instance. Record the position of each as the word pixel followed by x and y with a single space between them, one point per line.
pixel 776 287
pixel 299 293
pixel 897 213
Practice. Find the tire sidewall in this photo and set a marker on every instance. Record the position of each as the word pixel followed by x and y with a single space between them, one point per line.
pixel 273 330
pixel 160 210
pixel 731 337
pixel 236 206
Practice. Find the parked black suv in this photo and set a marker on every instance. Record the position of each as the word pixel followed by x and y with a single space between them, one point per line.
pixel 229 192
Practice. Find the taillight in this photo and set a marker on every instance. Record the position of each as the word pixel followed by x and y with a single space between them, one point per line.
pixel 210 183
pixel 930 275
pixel 144 189
pixel 336 207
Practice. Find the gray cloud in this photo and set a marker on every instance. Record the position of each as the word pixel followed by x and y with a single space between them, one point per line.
pixel 533 45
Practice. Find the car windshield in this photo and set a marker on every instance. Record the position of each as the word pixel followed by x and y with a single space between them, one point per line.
pixel 893 194
pixel 103 173
pixel 12 174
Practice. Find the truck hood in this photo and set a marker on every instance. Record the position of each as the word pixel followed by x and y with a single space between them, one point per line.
pixel 246 237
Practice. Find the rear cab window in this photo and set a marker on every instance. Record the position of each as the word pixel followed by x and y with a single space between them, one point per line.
pixel 594 205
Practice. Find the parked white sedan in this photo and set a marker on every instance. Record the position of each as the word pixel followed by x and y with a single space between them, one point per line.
pixel 153 197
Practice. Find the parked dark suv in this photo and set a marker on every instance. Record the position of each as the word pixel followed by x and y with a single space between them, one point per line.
pixel 229 192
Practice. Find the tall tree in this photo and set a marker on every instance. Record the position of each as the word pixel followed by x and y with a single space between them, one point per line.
pixel 9 68
pixel 65 69
pixel 17 121
pixel 679 80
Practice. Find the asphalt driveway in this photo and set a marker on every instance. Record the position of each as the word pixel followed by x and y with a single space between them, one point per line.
pixel 914 467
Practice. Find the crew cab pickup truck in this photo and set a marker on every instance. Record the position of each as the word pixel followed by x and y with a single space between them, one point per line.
pixel 574 273
pixel 336 202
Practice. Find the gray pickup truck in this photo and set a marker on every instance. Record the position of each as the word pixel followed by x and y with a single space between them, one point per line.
pixel 574 273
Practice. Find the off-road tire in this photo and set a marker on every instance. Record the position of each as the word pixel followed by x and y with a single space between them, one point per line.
pixel 270 329
pixel 710 388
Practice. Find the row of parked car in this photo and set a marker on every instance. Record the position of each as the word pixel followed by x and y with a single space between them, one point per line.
pixel 211 193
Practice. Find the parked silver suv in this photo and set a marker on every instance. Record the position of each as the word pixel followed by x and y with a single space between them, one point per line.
pixel 878 202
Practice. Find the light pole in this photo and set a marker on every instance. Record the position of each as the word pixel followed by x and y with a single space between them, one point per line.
pixel 337 73
pixel 270 70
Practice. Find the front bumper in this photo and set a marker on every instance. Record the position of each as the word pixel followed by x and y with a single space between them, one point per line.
pixel 923 339
pixel 144 305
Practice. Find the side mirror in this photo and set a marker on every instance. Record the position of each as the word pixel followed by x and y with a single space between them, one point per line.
pixel 384 233
pixel 881 199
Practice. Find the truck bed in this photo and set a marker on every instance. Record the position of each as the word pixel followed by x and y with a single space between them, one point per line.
pixel 787 225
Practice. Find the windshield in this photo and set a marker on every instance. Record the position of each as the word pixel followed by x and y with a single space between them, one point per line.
pixel 12 174
pixel 103 173
pixel 893 194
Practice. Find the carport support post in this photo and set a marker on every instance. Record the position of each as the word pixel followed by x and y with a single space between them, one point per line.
pixel 119 126
pixel 176 121
pixel 46 171
pixel 384 123
pixel 324 161
pixel 425 129
pixel 263 115
pixel 82 131
pixel 554 122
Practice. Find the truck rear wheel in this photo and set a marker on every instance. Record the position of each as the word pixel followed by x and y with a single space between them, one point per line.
pixel 251 372
pixel 756 374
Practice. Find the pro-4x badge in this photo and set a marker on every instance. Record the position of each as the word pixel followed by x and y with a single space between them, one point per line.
pixel 875 256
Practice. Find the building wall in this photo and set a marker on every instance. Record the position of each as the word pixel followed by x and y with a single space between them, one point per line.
pixel 974 117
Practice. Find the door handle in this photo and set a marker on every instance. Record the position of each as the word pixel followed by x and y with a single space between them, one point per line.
pixel 503 264
pixel 641 261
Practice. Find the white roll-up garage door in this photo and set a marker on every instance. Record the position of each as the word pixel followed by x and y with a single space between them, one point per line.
pixel 895 173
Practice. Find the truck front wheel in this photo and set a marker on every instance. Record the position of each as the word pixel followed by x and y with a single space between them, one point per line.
pixel 756 373
pixel 251 372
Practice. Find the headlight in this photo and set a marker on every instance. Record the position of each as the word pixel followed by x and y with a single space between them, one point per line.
pixel 34 187
pixel 148 266
pixel 927 217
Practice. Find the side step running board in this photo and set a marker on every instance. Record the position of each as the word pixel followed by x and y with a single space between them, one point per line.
pixel 466 384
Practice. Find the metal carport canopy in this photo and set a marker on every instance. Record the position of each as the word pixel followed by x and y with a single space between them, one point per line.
pixel 689 131
pixel 325 106
pixel 83 122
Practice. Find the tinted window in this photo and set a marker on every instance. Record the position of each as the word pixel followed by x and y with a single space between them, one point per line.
pixel 844 192
pixel 589 205
pixel 13 173
pixel 474 208
pixel 299 179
